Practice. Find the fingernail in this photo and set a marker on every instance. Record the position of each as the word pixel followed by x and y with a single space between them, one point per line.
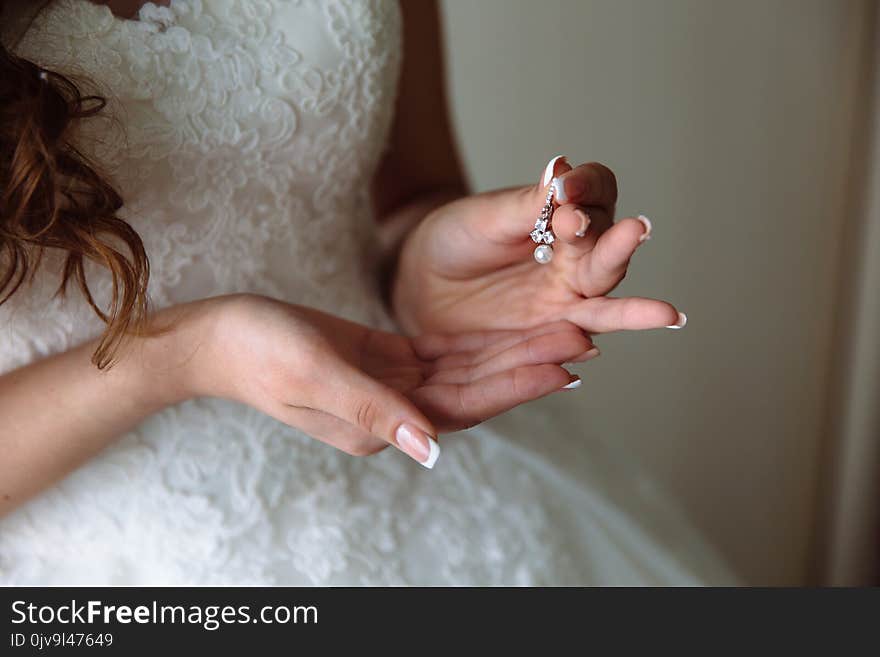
pixel 418 444
pixel 574 384
pixel 587 355
pixel 585 222
pixel 549 169
pixel 682 322
pixel 559 190
pixel 647 234
pixel 565 189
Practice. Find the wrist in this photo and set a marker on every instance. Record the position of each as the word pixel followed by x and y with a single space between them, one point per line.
pixel 407 284
pixel 165 365
pixel 402 240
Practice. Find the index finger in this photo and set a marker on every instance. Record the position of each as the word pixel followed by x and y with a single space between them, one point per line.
pixel 588 184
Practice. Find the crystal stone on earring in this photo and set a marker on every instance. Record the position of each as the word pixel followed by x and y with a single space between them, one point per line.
pixel 538 236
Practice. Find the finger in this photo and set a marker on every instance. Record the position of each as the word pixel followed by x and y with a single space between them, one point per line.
pixel 380 411
pixel 555 348
pixel 505 218
pixel 458 406
pixel 331 430
pixel 510 214
pixel 555 167
pixel 573 223
pixel 491 348
pixel 607 314
pixel 587 184
pixel 435 345
pixel 577 230
pixel 609 259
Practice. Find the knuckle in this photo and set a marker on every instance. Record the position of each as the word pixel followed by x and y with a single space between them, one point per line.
pixel 530 348
pixel 464 408
pixel 366 414
pixel 519 386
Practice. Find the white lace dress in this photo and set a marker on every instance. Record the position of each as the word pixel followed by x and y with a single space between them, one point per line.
pixel 243 126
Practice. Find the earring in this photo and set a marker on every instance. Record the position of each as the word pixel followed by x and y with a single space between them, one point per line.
pixel 543 234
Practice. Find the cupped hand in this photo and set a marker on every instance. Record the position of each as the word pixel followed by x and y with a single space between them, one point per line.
pixel 360 389
pixel 469 265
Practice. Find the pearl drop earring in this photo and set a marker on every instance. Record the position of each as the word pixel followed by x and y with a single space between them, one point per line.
pixel 543 234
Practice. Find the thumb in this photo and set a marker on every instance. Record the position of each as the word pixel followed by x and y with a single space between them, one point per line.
pixel 379 410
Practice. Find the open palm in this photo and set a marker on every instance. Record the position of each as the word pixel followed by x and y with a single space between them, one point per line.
pixel 460 380
pixel 456 379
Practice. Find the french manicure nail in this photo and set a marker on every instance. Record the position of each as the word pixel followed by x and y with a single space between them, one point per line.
pixel 417 444
pixel 549 169
pixel 682 322
pixel 591 354
pixel 574 384
pixel 584 357
pixel 565 189
pixel 647 234
pixel 585 222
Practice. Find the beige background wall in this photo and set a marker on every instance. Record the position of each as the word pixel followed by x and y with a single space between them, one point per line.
pixel 728 123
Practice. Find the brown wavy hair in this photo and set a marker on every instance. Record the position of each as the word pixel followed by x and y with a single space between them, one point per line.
pixel 53 197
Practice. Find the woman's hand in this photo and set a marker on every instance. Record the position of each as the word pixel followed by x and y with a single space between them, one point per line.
pixel 468 265
pixel 360 389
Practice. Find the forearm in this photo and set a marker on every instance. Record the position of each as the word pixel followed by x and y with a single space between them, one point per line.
pixel 57 413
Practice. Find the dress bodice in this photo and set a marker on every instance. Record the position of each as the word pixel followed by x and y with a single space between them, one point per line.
pixel 242 135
